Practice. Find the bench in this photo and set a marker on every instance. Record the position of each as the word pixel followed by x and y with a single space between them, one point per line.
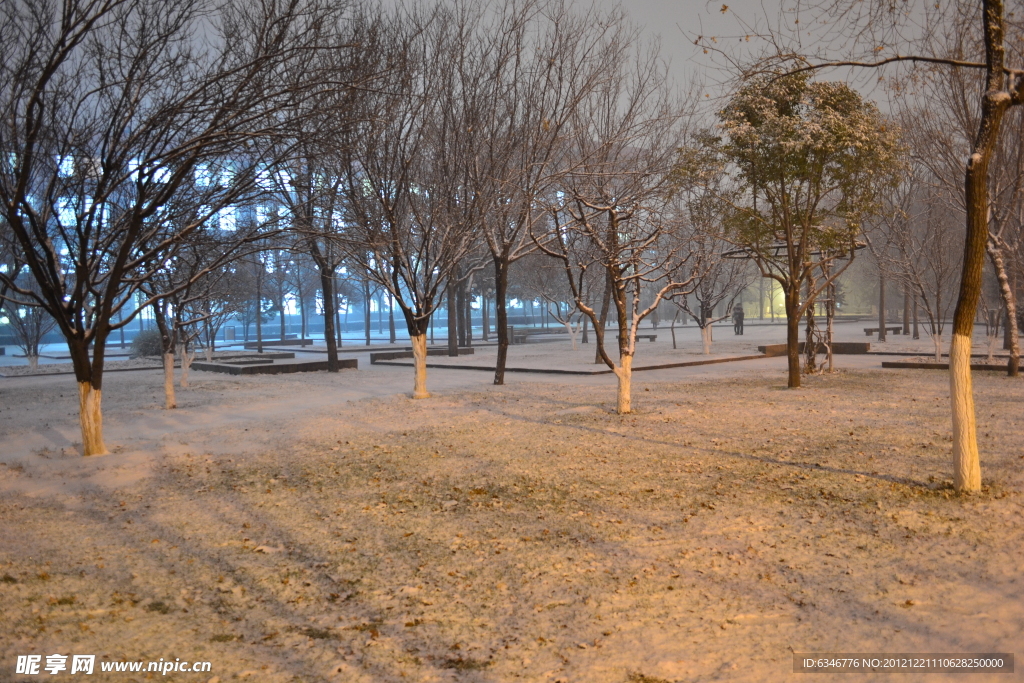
pixel 279 342
pixel 651 337
pixel 895 329
pixel 519 335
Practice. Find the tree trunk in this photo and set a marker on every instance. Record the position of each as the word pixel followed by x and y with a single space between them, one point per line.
pixel 705 338
pixel 259 308
pixel 170 401
pixel 917 329
pixel 392 335
pixel 208 346
pixel 966 461
pixel 881 307
pixel 1009 300
pixel 460 312
pixel 586 331
pixel 187 356
pixel 284 321
pixel 366 310
pixel 793 337
pixel 603 321
pixel 91 417
pixel 327 288
pixel 419 354
pixel 906 313
pixel 810 340
pixel 168 338
pixel 469 312
pixel 485 317
pixel 344 326
pixel 453 325
pixel 624 373
pixel 937 345
pixel 760 298
pixel 501 318
pixel 337 309
pixel 830 313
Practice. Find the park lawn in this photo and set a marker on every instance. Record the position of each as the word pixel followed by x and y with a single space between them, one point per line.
pixel 527 533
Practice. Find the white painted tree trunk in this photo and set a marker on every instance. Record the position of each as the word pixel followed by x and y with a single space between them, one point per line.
pixel 419 354
pixel 705 338
pixel 209 354
pixel 186 364
pixel 966 465
pixel 90 414
pixel 33 362
pixel 169 399
pixel 624 372
pixel 937 341
pixel 571 329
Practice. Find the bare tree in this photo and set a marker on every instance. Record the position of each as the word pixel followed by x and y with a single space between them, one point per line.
pixel 109 109
pixel 221 300
pixel 944 130
pixel 310 185
pixel 28 322
pixel 916 240
pixel 543 60
pixel 543 278
pixel 717 279
pixel 302 278
pixel 612 209
pixel 409 211
pixel 177 289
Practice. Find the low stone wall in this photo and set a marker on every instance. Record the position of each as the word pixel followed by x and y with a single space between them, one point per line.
pixel 270 368
pixel 838 348
pixel 377 356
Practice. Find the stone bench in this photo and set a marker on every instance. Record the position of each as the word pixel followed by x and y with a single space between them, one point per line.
pixel 280 342
pixel 895 329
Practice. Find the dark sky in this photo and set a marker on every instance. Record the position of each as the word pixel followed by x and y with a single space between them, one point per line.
pixel 679 22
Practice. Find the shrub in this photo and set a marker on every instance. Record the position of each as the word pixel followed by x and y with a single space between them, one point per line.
pixel 147 343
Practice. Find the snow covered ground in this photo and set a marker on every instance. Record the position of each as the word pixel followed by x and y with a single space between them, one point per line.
pixel 321 527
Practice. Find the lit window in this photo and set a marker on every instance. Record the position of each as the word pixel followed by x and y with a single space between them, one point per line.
pixel 227 218
pixel 66 213
pixel 204 176
pixel 161 175
pixel 65 167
